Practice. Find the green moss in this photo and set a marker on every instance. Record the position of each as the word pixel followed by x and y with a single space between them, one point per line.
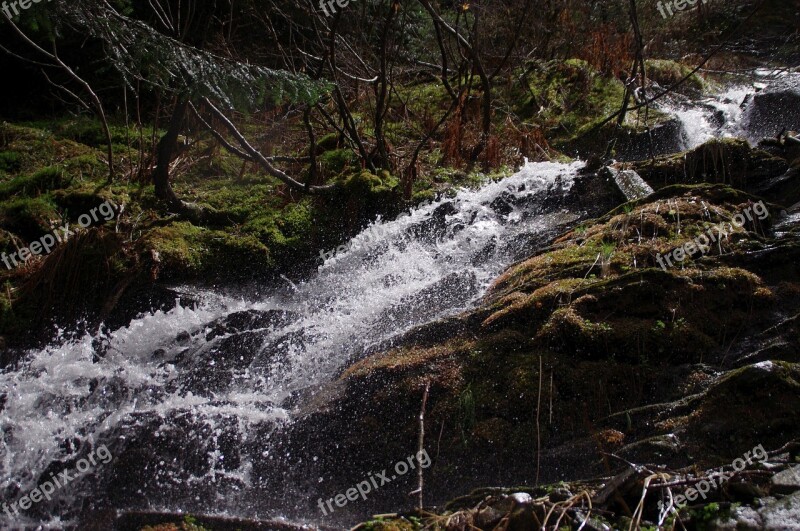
pixel 29 217
pixel 568 97
pixel 362 182
pixel 328 142
pixel 187 250
pixel 425 99
pixel 666 73
pixel 10 161
pixel 336 161
pixel 37 148
pixel 85 166
pixel 33 185
pixel 89 131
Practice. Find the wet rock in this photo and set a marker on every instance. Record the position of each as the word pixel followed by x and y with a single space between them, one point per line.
pixel 179 457
pixel 764 393
pixel 741 518
pixel 596 193
pixel 249 320
pixel 517 508
pixel 430 333
pixel 787 481
pixel 773 109
pixel 629 183
pixel 662 449
pixel 212 370
pixel 560 495
pixel 503 204
pixel 783 515
pixel 143 299
pixel 524 243
pixel 783 189
pixel 664 138
pixel 435 226
pixel 450 291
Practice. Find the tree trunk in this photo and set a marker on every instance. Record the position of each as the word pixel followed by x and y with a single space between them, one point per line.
pixel 166 149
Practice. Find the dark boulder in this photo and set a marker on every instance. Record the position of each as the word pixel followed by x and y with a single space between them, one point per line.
pixel 774 109
pixel 661 139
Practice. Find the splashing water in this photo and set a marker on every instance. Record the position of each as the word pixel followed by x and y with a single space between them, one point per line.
pixel 719 116
pixel 723 115
pixel 433 262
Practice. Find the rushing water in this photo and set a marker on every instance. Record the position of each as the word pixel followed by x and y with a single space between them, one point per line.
pixel 64 401
pixel 722 115
pixel 714 117
pixel 436 260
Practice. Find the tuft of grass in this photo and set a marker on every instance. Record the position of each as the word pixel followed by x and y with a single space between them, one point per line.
pixel 10 161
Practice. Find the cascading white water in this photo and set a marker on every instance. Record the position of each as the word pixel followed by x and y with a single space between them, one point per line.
pixel 433 262
pixel 718 116
pixel 722 115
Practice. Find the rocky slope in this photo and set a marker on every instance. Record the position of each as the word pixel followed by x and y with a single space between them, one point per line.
pixel 590 348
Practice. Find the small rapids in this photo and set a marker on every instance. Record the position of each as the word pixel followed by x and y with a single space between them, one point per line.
pixel 127 388
pixel 724 114
pixel 719 116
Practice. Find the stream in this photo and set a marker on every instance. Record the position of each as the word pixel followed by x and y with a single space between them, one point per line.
pixel 210 379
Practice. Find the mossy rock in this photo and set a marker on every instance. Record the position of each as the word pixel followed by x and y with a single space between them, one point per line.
pixel 183 250
pixel 336 161
pixel 289 235
pixel 33 185
pixel 666 73
pixel 329 142
pixel 395 523
pixel 76 278
pixel 363 181
pixel 757 404
pixel 728 161
pixel 75 203
pixel 30 218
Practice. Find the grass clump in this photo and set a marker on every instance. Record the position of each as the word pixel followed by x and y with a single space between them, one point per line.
pixel 10 161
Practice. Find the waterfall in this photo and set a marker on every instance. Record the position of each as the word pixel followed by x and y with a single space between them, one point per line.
pixel 724 114
pixel 104 388
pixel 718 116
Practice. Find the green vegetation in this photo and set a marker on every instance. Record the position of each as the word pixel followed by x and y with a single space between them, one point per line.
pixel 667 73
